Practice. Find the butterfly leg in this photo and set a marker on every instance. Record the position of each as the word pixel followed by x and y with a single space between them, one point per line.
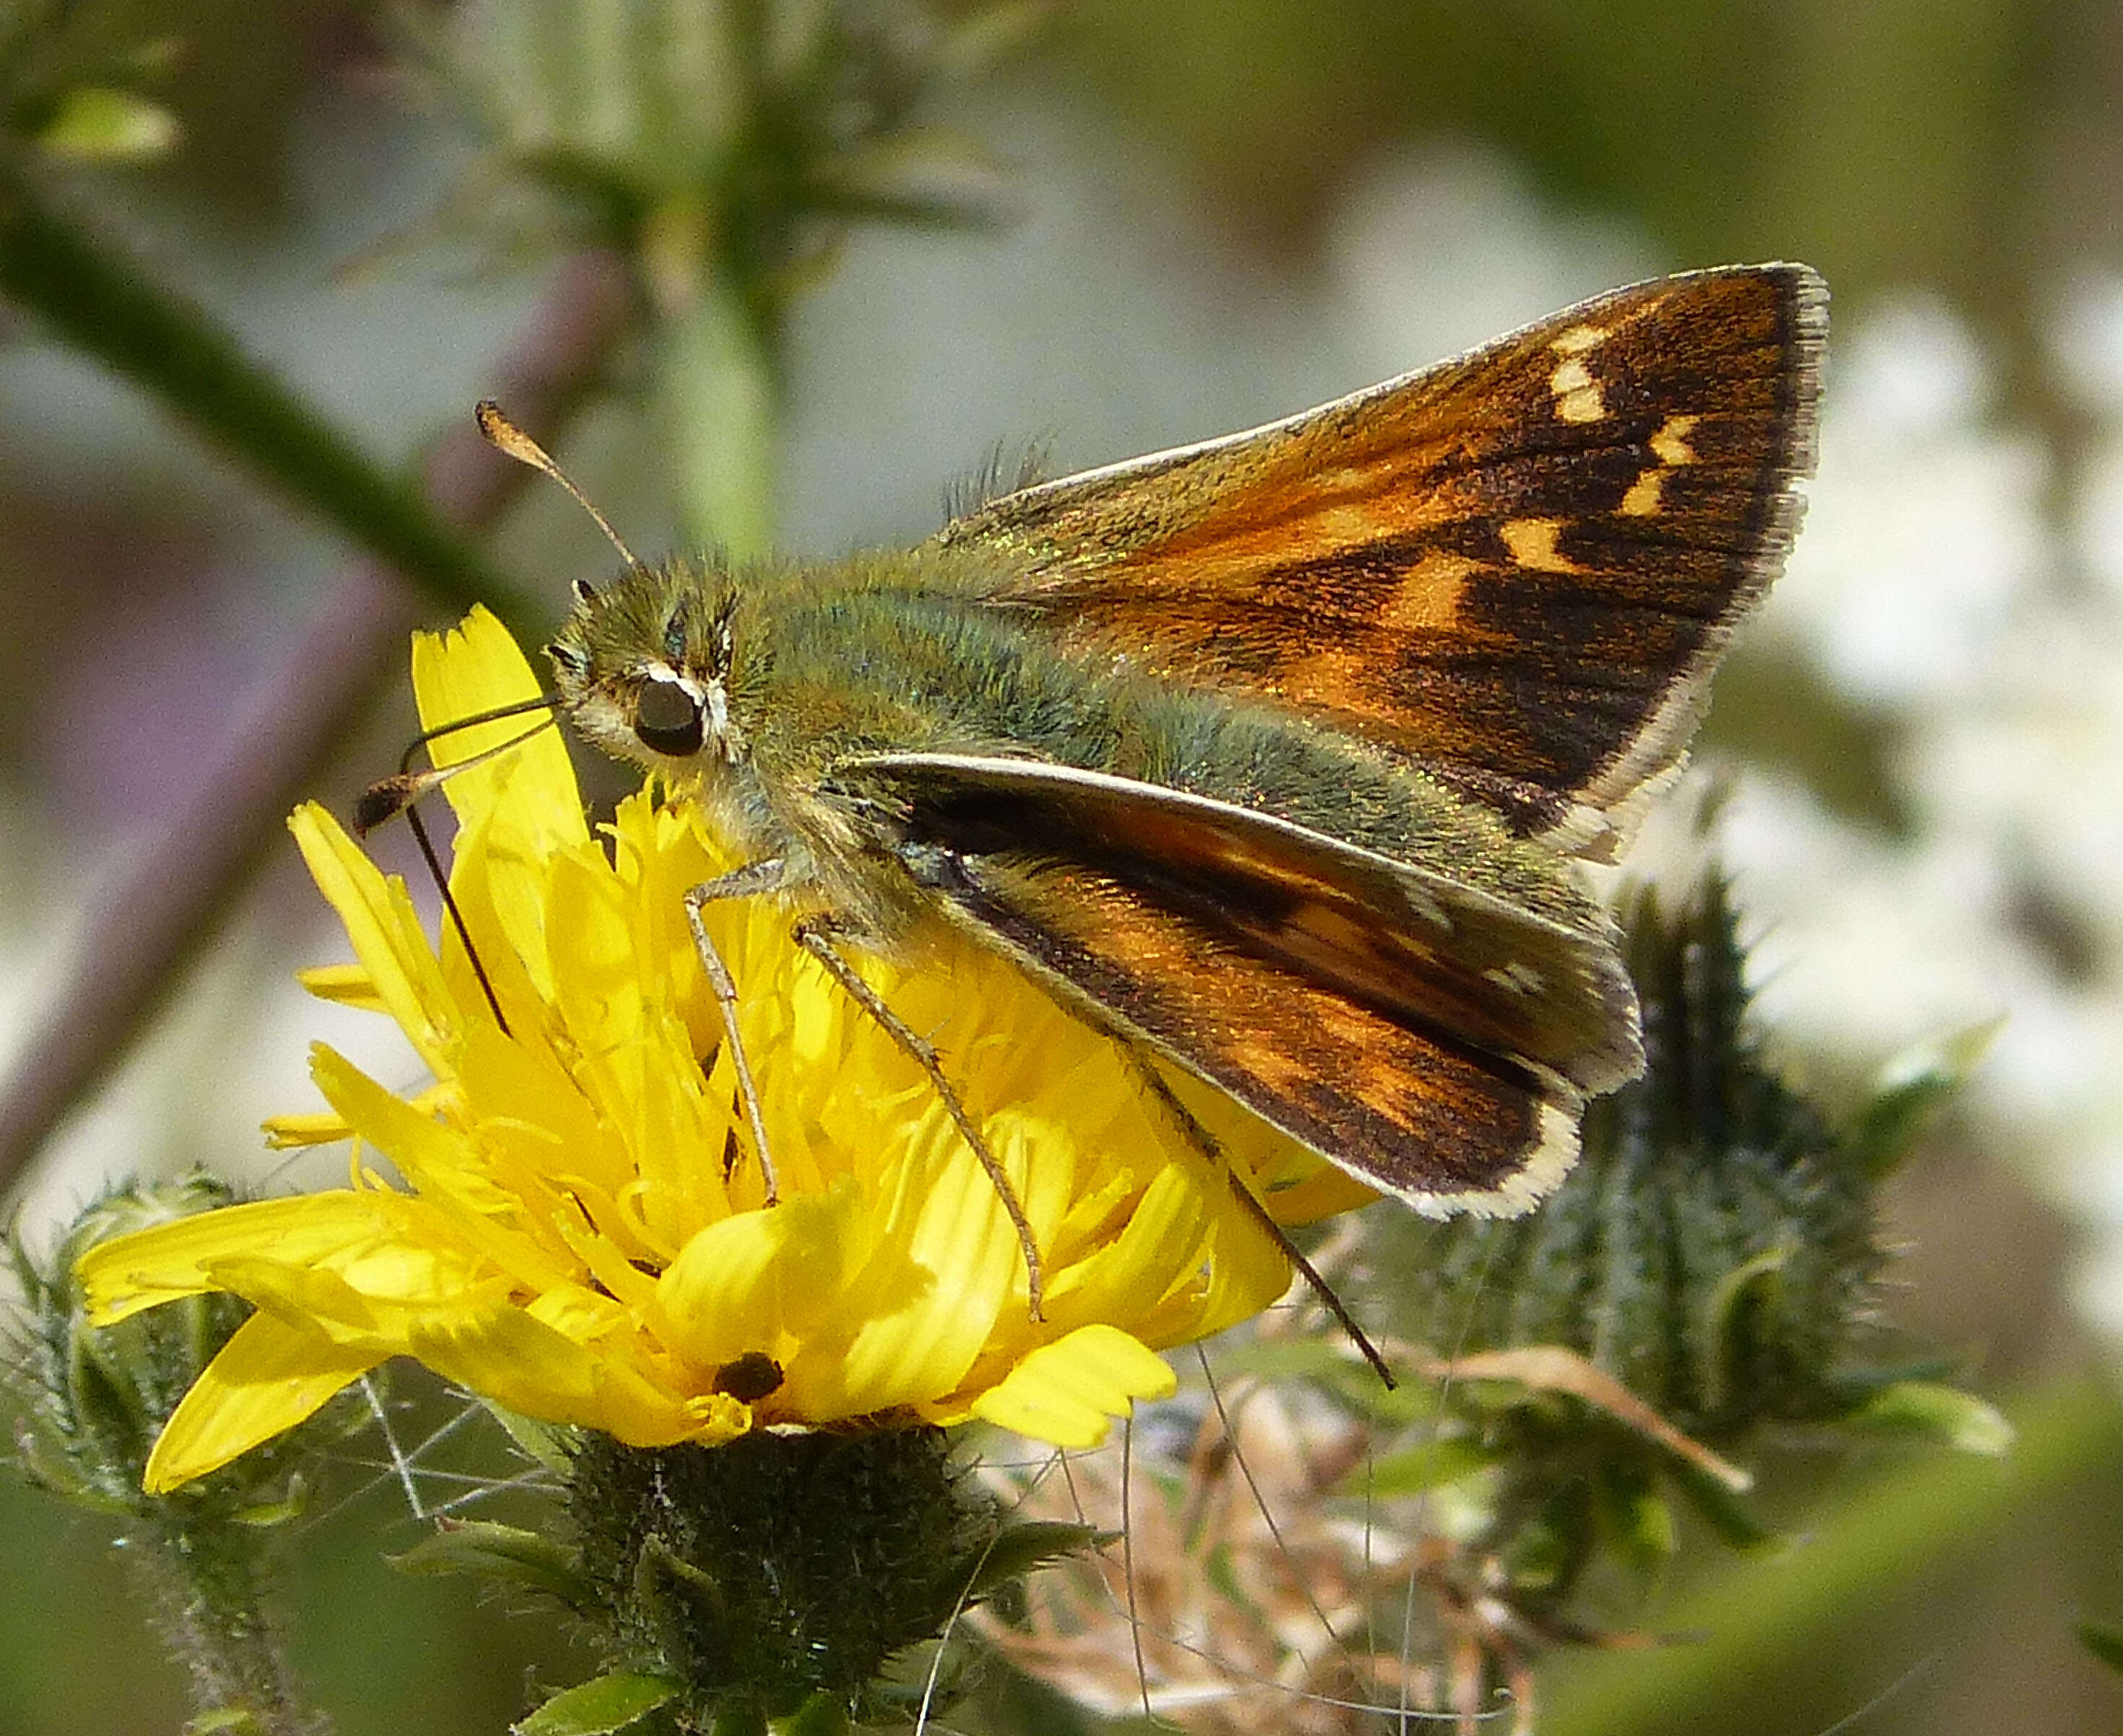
pixel 816 937
pixel 750 881
pixel 1211 1147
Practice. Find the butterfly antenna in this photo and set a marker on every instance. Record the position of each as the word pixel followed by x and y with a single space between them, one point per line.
pixel 504 436
pixel 388 798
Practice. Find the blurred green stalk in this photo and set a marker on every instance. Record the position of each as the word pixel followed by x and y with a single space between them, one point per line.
pixel 1762 1620
pixel 107 307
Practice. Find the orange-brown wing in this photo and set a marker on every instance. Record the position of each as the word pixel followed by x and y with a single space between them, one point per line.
pixel 1429 1036
pixel 1518 569
pixel 1441 1123
pixel 1419 946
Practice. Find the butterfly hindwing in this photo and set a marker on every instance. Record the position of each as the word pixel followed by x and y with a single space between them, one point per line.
pixel 1517 569
pixel 1443 1125
pixel 1422 947
pixel 1431 1037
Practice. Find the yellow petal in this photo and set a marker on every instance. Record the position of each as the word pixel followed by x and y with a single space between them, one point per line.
pixel 947 1271
pixel 1068 1393
pixel 504 1354
pixel 502 898
pixel 375 1308
pixel 459 1194
pixel 128 1273
pixel 1159 1249
pixel 285 1132
pixel 385 931
pixel 345 985
pixel 760 1280
pixel 268 1377
pixel 479 667
pixel 1327 1192
pixel 290 1132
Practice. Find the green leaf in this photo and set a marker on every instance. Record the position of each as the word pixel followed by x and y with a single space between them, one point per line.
pixel 1019 1549
pixel 1933 1411
pixel 1722 1508
pixel 1723 1313
pixel 1417 1470
pixel 1911 1090
pixel 602 1705
pixel 546 1444
pixel 506 1553
pixel 1858 1383
pixel 2105 1641
pixel 95 123
pixel 823 1714
pixel 263 1515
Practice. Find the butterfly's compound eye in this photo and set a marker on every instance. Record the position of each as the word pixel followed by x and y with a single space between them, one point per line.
pixel 668 719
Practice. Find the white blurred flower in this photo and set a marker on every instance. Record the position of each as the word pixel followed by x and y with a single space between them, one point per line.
pixel 1924 525
pixel 1926 590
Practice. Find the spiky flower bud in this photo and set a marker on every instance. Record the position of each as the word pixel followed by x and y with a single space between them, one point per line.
pixel 90 1402
pixel 777 1567
pixel 94 1401
pixel 786 1579
pixel 1714 1247
pixel 1707 1268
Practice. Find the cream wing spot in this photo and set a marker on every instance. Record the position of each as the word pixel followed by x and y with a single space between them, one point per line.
pixel 1579 338
pixel 1577 397
pixel 1532 543
pixel 1670 444
pixel 1670 447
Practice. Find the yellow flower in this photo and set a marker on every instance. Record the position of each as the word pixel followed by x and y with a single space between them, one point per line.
pixel 577 1229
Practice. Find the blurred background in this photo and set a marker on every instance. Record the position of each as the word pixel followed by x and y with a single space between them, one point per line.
pixel 1209 213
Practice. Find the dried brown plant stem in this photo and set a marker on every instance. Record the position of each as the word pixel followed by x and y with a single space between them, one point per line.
pixel 147 927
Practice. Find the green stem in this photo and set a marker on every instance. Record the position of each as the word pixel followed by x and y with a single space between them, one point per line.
pixel 1766 1620
pixel 207 1582
pixel 108 307
pixel 720 403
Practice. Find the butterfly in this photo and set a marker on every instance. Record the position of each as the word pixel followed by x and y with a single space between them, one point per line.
pixel 1272 756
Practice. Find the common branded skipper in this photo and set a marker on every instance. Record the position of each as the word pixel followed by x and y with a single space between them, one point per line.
pixel 1269 756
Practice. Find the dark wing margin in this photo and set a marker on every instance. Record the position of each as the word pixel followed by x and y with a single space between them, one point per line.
pixel 1517 568
pixel 1429 1037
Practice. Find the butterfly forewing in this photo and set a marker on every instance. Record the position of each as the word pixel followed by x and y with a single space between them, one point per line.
pixel 1517 568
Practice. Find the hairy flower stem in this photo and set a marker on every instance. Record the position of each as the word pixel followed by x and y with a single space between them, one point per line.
pixel 210 1594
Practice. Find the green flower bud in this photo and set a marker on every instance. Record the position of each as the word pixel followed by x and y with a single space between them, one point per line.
pixel 1714 1249
pixel 90 1402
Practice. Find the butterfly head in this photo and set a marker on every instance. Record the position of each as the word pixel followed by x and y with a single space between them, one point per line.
pixel 644 667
